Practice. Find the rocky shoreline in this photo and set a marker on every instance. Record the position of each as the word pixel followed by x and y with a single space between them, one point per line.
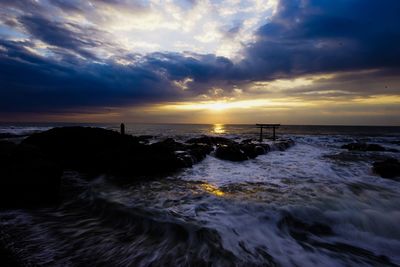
pixel 387 167
pixel 33 169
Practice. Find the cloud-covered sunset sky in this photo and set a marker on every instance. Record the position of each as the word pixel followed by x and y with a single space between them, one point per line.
pixel 201 61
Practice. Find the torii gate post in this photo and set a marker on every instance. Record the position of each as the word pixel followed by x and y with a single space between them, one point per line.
pixel 273 126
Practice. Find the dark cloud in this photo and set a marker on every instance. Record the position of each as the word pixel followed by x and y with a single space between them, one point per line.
pixel 69 6
pixel 31 82
pixel 68 36
pixel 318 36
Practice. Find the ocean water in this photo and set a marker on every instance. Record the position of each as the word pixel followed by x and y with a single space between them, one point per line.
pixel 314 204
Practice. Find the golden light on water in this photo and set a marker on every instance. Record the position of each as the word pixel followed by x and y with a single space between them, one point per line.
pixel 219 128
pixel 212 189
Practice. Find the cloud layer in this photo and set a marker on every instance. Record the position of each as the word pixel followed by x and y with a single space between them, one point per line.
pixel 61 56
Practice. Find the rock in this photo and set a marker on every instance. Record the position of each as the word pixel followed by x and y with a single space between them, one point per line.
pixel 252 150
pixel 96 151
pixel 7 258
pixel 248 141
pixel 364 147
pixel 196 152
pixel 248 150
pixel 355 156
pixel 389 168
pixel 283 145
pixel 199 151
pixel 231 152
pixel 144 139
pixel 28 177
pixel 185 158
pixel 170 144
pixel 211 140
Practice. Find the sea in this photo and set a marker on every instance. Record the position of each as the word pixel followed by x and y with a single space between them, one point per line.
pixel 314 204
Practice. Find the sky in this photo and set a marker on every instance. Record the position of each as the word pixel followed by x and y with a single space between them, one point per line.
pixel 200 61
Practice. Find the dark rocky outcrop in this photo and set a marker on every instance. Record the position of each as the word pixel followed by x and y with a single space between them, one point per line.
pixel 28 177
pixel 144 139
pixel 365 147
pixel 227 149
pixel 7 258
pixel 354 156
pixel 231 152
pixel 211 140
pixel 283 145
pixel 199 151
pixel 389 168
pixel 253 150
pixel 249 150
pixel 96 150
pixel 32 169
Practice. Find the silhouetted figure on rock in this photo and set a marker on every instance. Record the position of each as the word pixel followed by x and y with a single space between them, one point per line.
pixel 122 129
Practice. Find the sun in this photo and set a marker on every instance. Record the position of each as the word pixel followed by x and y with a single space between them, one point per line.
pixel 218 106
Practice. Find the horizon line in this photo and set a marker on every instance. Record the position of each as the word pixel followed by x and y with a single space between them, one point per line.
pixel 190 123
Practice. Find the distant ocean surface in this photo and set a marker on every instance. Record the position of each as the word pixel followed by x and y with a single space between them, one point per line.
pixel 314 204
pixel 213 129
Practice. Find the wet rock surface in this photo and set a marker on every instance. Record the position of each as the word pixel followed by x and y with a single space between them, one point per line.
pixel 231 152
pixel 211 140
pixel 28 177
pixel 249 149
pixel 366 147
pixel 389 168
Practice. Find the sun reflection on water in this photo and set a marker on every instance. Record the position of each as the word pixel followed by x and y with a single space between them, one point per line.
pixel 212 189
pixel 218 128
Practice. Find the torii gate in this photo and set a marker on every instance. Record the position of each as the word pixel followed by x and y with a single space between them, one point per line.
pixel 273 126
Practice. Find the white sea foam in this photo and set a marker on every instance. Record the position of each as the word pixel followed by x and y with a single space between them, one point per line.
pixel 22 130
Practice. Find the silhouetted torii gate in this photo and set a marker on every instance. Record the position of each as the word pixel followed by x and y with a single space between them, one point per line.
pixel 273 126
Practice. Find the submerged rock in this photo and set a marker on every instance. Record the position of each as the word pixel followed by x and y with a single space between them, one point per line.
pixel 363 147
pixel 354 156
pixel 300 230
pixel 389 168
pixel 28 177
